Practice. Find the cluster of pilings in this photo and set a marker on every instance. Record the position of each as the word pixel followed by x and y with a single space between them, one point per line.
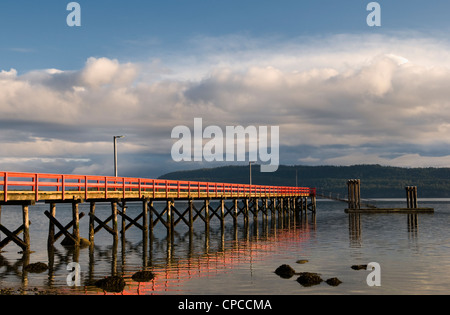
pixel 173 214
pixel 12 236
pixel 179 254
pixel 411 197
pixel 170 216
pixel 354 201
pixel 354 193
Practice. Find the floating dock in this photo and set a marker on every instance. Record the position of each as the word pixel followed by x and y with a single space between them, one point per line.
pixel 354 201
pixel 391 210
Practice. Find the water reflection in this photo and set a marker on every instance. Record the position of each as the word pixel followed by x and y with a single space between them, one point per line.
pixel 174 258
pixel 413 229
pixel 413 225
pixel 355 229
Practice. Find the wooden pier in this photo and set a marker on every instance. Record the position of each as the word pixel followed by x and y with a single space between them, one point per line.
pixel 26 189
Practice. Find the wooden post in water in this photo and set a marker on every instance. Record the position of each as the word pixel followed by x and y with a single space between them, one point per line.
pixel 411 197
pixel 299 201
pixel 415 197
pixel 273 207
pixel 91 222
pixel 150 215
pixel 359 193
pixel 222 215
pixel 114 220
pixel 265 203
pixel 144 221
pixel 76 223
pixel 300 205
pixel 354 193
pixel 350 194
pixel 280 208
pixel 124 222
pixel 235 201
pixel 256 209
pixel 313 202
pixel 191 216
pixel 281 205
pixel 169 219
pixel 408 196
pixel 304 201
pixel 51 227
pixel 246 211
pixel 295 206
pixel 26 228
pixel 288 205
pixel 206 206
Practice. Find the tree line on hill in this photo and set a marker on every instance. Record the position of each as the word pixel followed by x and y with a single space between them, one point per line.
pixel 376 181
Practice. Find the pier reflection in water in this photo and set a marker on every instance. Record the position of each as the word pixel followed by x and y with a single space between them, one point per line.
pixel 173 259
pixel 355 230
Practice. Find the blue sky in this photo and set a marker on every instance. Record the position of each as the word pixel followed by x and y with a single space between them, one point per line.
pixel 341 92
pixel 34 33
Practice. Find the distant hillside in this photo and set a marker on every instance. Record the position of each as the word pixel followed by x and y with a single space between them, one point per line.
pixel 376 181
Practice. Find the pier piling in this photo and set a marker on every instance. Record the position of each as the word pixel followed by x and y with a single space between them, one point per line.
pixel 51 227
pixel 411 197
pixel 23 243
pixel 354 193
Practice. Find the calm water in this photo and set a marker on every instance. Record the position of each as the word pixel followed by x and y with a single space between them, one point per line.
pixel 413 254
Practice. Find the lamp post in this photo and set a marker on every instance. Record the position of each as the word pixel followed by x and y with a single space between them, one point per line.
pixel 250 176
pixel 115 153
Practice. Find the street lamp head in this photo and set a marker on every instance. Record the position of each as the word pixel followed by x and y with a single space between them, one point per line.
pixel 118 137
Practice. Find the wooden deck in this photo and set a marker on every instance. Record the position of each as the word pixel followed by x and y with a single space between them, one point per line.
pixel 16 187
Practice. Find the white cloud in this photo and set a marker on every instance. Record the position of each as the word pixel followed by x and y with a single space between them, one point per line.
pixel 102 71
pixel 12 73
pixel 352 91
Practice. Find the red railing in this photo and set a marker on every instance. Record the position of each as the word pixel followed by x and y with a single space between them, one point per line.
pixel 19 182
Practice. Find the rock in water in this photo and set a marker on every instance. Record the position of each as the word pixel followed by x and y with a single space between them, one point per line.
pixel 333 282
pixel 359 267
pixel 36 267
pixel 84 242
pixel 302 261
pixel 111 284
pixel 308 279
pixel 67 241
pixel 285 271
pixel 143 276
